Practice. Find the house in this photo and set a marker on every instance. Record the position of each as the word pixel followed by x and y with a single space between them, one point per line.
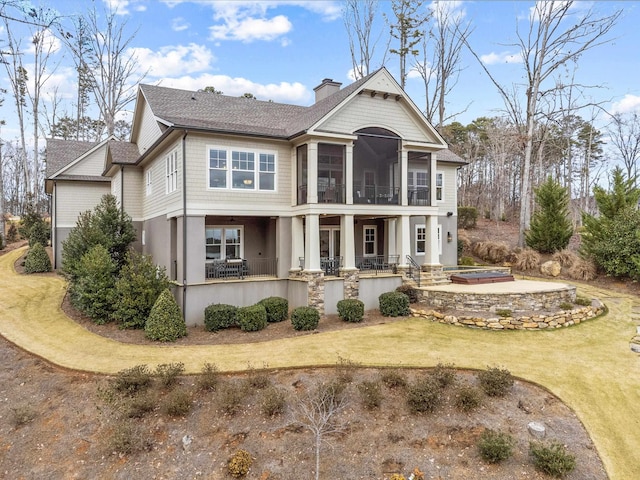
pixel 241 199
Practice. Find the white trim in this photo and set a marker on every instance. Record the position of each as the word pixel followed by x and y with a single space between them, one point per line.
pixel 439 233
pixel 171 172
pixel 224 228
pixel 149 182
pixel 364 240
pixel 416 239
pixel 441 187
pixel 229 170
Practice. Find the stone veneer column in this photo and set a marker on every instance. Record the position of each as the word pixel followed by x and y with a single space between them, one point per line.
pixel 315 288
pixel 351 282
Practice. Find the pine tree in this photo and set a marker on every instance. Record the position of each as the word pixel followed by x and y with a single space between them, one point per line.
pixel 551 228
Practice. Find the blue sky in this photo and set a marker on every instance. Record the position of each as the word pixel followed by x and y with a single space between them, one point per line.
pixel 281 50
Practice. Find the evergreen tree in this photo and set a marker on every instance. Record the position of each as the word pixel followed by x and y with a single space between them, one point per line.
pixel 93 292
pixel 165 322
pixel 551 228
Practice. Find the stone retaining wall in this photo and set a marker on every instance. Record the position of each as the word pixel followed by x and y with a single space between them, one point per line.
pixel 564 318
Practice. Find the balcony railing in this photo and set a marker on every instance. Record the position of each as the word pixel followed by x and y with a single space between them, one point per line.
pixel 376 194
pixel 419 196
pixel 241 268
pixel 378 264
pixel 331 194
pixel 330 265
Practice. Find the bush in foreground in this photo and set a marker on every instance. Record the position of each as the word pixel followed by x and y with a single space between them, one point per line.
pixel 552 458
pixel 219 316
pixel 277 308
pixel 424 396
pixel 165 323
pixel 252 318
pixel 93 291
pixel 351 310
pixel 305 318
pixel 495 446
pixel 239 464
pixel 394 304
pixel 495 382
pixel 37 260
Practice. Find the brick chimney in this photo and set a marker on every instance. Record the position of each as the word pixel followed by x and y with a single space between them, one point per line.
pixel 326 88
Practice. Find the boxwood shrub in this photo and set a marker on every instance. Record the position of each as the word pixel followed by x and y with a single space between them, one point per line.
pixel 351 310
pixel 37 260
pixel 252 318
pixel 394 304
pixel 277 308
pixel 305 318
pixel 165 322
pixel 219 316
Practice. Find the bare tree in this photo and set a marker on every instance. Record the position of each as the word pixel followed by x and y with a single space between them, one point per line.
pixel 409 17
pixel 439 65
pixel 624 132
pixel 113 69
pixel 318 412
pixel 359 18
pixel 557 34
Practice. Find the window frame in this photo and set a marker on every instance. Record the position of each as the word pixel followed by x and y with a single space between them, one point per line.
pixel 237 160
pixel 439 188
pixel 223 242
pixel 365 241
pixel 423 227
pixel 171 172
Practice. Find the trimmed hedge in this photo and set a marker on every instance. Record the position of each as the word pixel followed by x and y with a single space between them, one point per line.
pixel 394 304
pixel 219 316
pixel 165 322
pixel 37 260
pixel 252 318
pixel 277 308
pixel 305 318
pixel 467 217
pixel 351 310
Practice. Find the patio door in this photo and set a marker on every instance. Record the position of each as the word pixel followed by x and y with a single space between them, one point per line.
pixel 329 242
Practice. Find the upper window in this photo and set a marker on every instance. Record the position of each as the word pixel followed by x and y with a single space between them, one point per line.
pixel 172 171
pixel 439 186
pixel 247 170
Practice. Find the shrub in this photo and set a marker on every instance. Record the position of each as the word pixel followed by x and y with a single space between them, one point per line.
pixel 496 252
pixel 494 446
pixel 305 318
pixel 37 260
pixel 583 301
pixel 239 464
pixel 495 382
pixel 345 370
pixel 277 308
pixel 393 378
pixel 566 306
pixel 12 233
pixel 371 394
pixel 424 396
pixel 273 401
pixel 231 396
pixel 526 259
pixel 409 291
pixel 139 285
pixel 394 304
pixel 132 380
pixel 39 233
pixel 565 257
pixel 351 310
pixel 127 438
pixel 209 377
pixel 177 403
pixel 252 318
pixel 169 373
pixel 467 261
pixel 583 270
pixel 467 217
pixel 552 458
pixel 468 399
pixel 1 241
pixel 93 290
pixel 258 378
pixel 219 316
pixel 444 375
pixel 480 250
pixel 139 405
pixel 165 323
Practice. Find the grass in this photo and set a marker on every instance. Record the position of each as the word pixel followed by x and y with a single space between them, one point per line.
pixel 590 366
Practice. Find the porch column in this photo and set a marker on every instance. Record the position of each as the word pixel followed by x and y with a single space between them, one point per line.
pixel 312 172
pixel 404 170
pixel 297 243
pixel 348 174
pixel 390 243
pixel 284 246
pixel 403 238
pixel 433 165
pixel 312 243
pixel 347 244
pixel 432 256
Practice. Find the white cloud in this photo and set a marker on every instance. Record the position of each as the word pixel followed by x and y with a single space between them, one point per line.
pixel 629 104
pixel 50 43
pixel 121 7
pixel 249 29
pixel 284 92
pixel 450 11
pixel 503 57
pixel 174 60
pixel 179 24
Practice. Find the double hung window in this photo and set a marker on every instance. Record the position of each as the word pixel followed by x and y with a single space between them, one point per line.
pixel 246 170
pixel 172 172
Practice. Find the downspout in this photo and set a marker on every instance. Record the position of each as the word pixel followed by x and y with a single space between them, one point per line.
pixel 54 234
pixel 121 190
pixel 184 223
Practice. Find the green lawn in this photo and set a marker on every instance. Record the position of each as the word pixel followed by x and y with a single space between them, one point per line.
pixel 589 366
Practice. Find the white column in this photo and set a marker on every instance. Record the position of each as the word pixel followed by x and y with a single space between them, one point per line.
pixel 312 172
pixel 348 174
pixel 432 257
pixel 403 238
pixel 347 245
pixel 390 228
pixel 404 169
pixel 297 242
pixel 432 169
pixel 312 243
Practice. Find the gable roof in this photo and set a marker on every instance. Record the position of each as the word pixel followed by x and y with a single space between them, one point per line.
pixel 61 153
